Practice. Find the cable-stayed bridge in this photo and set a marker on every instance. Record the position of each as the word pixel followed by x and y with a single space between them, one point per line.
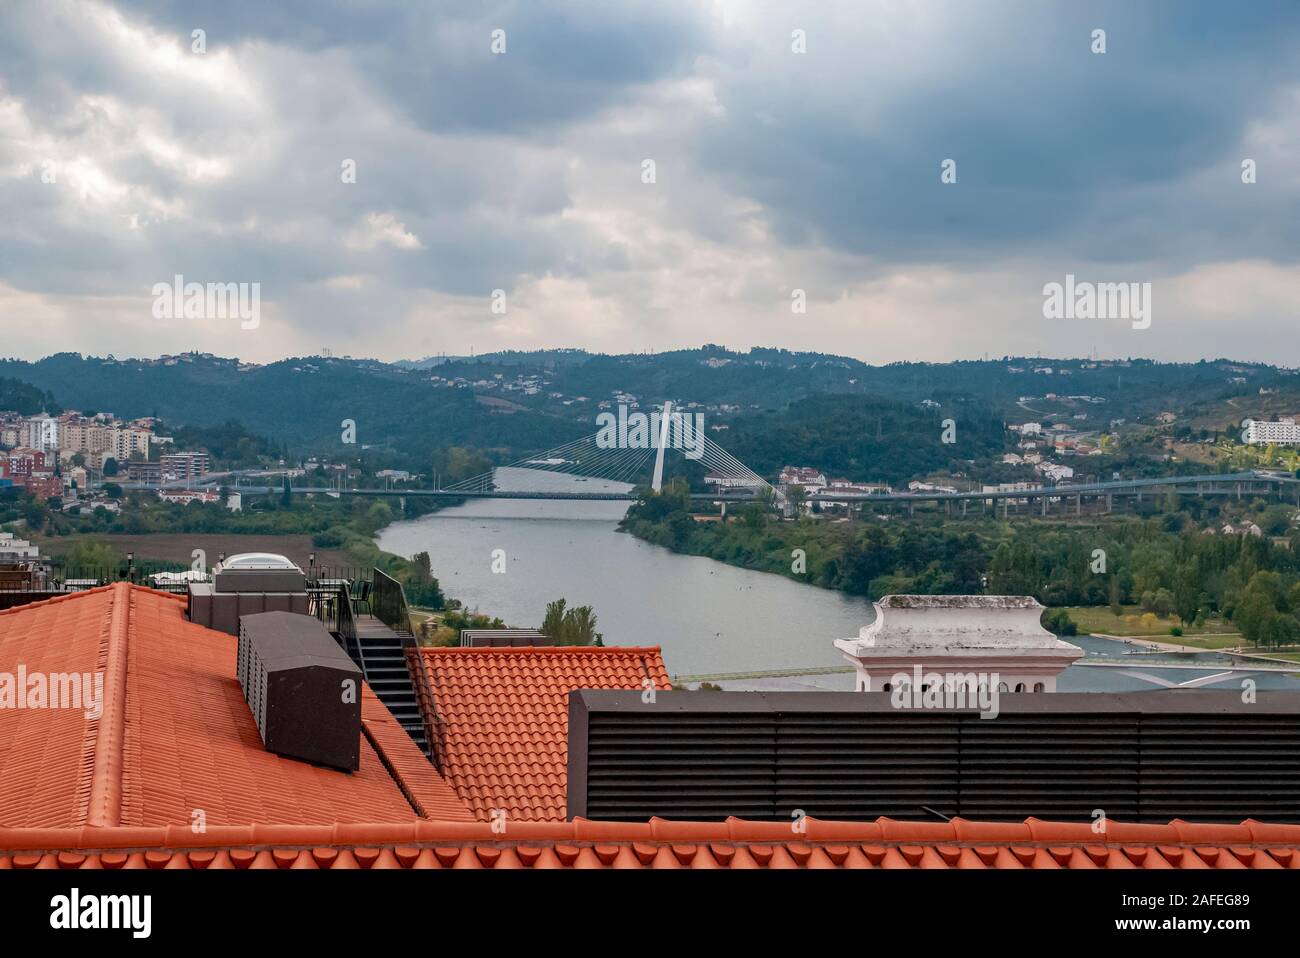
pixel 615 460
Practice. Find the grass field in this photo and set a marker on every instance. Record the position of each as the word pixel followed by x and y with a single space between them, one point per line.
pixel 177 547
pixel 1215 634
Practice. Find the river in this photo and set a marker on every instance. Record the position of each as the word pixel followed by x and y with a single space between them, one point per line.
pixel 708 617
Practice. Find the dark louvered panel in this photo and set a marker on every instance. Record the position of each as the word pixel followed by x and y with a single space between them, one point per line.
pixel 700 767
pixel 841 767
pixel 1049 766
pixel 1209 769
pixel 1201 756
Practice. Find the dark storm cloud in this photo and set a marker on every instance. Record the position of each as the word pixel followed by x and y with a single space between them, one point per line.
pixel 565 60
pixel 1052 142
pixel 776 169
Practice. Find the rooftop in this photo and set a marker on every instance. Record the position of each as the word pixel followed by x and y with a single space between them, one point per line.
pixel 175 742
pixel 734 844
pixel 945 625
pixel 501 718
pixel 173 736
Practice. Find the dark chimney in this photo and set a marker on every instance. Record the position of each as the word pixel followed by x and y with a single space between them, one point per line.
pixel 303 690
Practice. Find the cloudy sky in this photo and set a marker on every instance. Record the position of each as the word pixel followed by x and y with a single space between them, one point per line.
pixel 131 152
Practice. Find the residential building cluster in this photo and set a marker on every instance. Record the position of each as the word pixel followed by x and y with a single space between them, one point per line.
pixel 30 469
pixel 97 438
pixel 52 456
pixel 813 481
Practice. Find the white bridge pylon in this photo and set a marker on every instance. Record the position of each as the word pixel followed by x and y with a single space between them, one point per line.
pixel 665 420
pixel 628 459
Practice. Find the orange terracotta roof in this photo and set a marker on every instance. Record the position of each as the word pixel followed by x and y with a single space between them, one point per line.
pixel 735 844
pixel 175 743
pixel 501 718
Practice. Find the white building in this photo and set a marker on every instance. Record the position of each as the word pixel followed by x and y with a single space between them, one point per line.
pixel 1284 432
pixel 43 433
pixel 1054 471
pixel 995 638
pixel 13 546
pixel 806 476
pixel 870 488
pixel 917 486
pixel 186 496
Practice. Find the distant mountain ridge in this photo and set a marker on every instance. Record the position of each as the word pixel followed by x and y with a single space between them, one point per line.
pixel 521 402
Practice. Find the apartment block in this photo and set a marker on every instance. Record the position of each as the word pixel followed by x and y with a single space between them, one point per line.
pixel 1284 432
pixel 107 439
pixel 185 465
pixel 150 472
pixel 42 433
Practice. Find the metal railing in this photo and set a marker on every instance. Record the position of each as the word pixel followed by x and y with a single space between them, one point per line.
pixel 79 578
pixel 388 601
pixel 333 607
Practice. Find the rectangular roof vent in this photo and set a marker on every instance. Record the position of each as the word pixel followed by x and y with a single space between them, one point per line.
pixel 258 572
pixel 303 690
pixel 504 638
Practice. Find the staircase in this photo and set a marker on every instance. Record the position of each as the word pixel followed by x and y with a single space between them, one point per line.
pixel 383 660
pixel 377 642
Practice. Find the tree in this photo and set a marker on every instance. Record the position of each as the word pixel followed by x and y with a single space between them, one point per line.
pixel 90 556
pixel 423 567
pixel 34 514
pixel 796 495
pixel 110 466
pixel 1254 612
pixel 1116 596
pixel 1059 622
pixel 575 626
pixel 553 621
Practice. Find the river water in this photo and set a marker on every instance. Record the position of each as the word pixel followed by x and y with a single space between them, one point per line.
pixel 708 617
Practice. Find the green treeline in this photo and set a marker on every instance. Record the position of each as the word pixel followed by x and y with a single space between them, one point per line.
pixel 1163 563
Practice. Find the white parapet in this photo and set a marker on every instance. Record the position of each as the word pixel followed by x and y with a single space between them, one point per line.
pixel 947 635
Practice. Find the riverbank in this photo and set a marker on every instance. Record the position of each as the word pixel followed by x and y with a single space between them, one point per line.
pixel 706 616
pixel 1162 572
